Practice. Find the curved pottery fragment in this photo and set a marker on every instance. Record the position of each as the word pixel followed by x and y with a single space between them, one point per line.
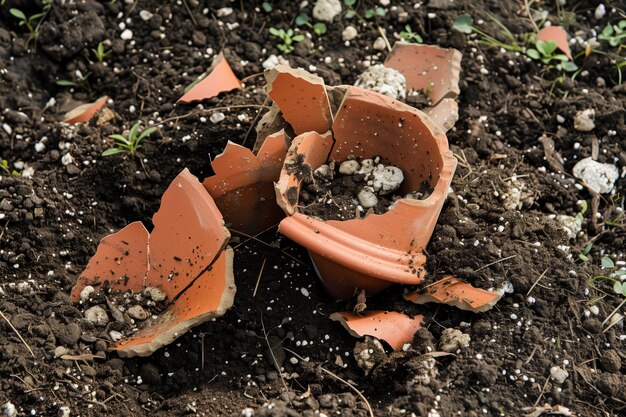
pixel 558 35
pixel 390 326
pixel 243 184
pixel 220 79
pixel 183 256
pixel 454 292
pixel 429 68
pixel 379 250
pixel 85 112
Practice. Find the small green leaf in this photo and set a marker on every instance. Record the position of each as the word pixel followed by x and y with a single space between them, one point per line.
pixel 319 28
pixel 583 206
pixel 533 53
pixel 112 151
pixel 66 83
pixel 369 13
pixel 607 262
pixel 618 287
pixel 349 2
pixel 380 11
pixel 607 32
pixel 463 24
pixel 132 135
pixel 583 257
pixel 588 248
pixel 289 33
pixel 302 19
pixel 620 272
pixel 298 38
pixel 266 6
pixel 18 13
pixel 146 132
pixel 569 66
pixel 274 32
pixel 120 138
pixel 350 14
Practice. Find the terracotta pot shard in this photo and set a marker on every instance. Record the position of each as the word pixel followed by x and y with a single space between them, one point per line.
pixel 183 256
pixel 454 292
pixel 301 97
pixel 445 114
pixel 379 250
pixel 85 112
pixel 397 329
pixel 428 68
pixel 243 184
pixel 558 35
pixel 220 79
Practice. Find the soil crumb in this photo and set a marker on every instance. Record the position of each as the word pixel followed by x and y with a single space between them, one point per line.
pixel 350 189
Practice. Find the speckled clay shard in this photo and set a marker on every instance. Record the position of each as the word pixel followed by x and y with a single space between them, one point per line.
pixel 445 114
pixel 307 152
pixel 220 79
pixel 301 97
pixel 188 235
pixel 120 262
pixel 452 291
pixel 558 35
pixel 428 68
pixel 379 250
pixel 85 112
pixel 243 184
pixel 397 329
pixel 209 297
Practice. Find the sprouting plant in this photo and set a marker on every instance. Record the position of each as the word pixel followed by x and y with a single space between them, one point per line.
pixel 303 19
pixel 408 35
pixel 288 37
pixel 267 6
pixel 82 83
pixel 465 24
pixel 546 53
pixel 350 12
pixel 129 144
pixel 29 22
pixel 583 255
pixel 583 209
pixel 4 165
pixel 100 53
pixel 614 34
pixel 614 276
pixel 376 11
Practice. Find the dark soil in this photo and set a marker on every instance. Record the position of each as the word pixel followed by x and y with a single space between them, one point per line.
pixel 52 217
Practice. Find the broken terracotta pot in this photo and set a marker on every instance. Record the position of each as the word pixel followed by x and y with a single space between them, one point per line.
pixel 380 250
pixel 84 112
pixel 454 292
pixel 558 35
pixel 195 272
pixel 243 184
pixel 220 79
pixel 429 68
pixel 397 329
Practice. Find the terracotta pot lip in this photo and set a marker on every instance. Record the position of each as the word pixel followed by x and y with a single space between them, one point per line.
pixel 323 239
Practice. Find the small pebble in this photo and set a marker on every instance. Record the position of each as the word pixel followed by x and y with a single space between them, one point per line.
pixel 97 315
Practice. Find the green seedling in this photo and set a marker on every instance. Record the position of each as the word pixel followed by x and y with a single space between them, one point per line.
pixel 614 277
pixel 82 84
pixel 350 12
pixel 546 52
pixel 374 12
pixel 407 35
pixel 465 24
pixel 614 34
pixel 303 19
pixel 267 6
pixel 583 256
pixel 4 165
pixel 100 53
pixel 288 37
pixel 583 209
pixel 130 144
pixel 29 22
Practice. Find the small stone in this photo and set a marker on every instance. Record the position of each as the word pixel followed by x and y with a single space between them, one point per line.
pixel 572 225
pixel 611 362
pixel 583 121
pixel 155 294
pixel 137 312
pixel 453 340
pixel 217 117
pixel 558 374
pixel 64 411
pixel 598 176
pixel 379 44
pixel 115 335
pixel 367 198
pixel 599 12
pixel 127 34
pixel 9 409
pixel 349 167
pixel 387 179
pixel 67 159
pixel 349 33
pixel 97 315
pixel 86 292
pixel 60 351
pixel 145 15
pixel 326 10
pixel 324 171
pixel 224 11
pixel 247 412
